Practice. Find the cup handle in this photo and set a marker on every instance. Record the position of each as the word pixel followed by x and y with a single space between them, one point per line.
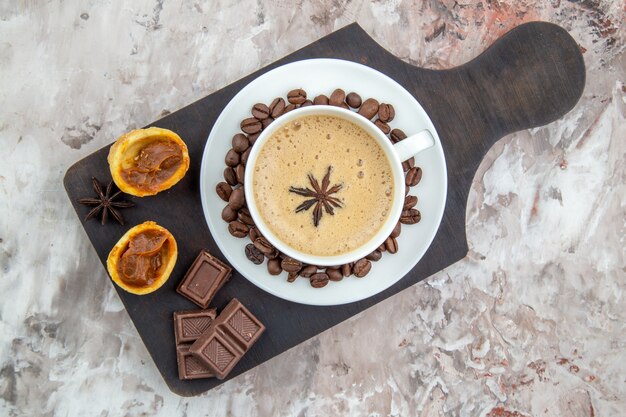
pixel 414 144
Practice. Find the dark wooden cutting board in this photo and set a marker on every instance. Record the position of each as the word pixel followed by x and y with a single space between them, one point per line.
pixel 531 76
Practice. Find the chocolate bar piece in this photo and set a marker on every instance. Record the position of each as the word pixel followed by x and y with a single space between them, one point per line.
pixel 189 325
pixel 205 277
pixel 189 367
pixel 228 338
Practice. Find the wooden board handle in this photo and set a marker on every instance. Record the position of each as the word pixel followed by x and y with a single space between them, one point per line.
pixel 529 77
pixel 532 76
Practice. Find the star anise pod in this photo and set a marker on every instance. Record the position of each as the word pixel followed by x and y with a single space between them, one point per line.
pixel 322 197
pixel 105 203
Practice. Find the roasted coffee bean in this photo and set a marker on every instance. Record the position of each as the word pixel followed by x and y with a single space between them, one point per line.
pixel 237 199
pixel 397 135
pixel 337 97
pixel 254 233
pixel 274 255
pixel 223 190
pixel 240 173
pixel 245 217
pixel 334 274
pixel 291 265
pixel 361 268
pixel 250 125
pixel 408 164
pixel 228 214
pixel 266 122
pixel 369 108
pixel 306 103
pixel 391 244
pixel 396 230
pixel 260 111
pixel 245 155
pixel 384 127
pixel 319 280
pixel 353 100
pixel 289 108
pixel 413 176
pixel 273 267
pixel 374 256
pixel 238 229
pixel 297 96
pixel 308 271
pixel 264 246
pixel 409 202
pixel 232 158
pixel 346 269
pixel 411 216
pixel 277 107
pixel 382 247
pixel 343 105
pixel 386 112
pixel 253 138
pixel 240 142
pixel 406 190
pixel 230 176
pixel 321 99
pixel 291 277
pixel 254 255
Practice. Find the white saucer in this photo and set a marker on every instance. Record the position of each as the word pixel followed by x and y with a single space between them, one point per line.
pixel 322 76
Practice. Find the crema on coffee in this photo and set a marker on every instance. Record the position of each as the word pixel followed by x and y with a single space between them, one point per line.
pixel 323 185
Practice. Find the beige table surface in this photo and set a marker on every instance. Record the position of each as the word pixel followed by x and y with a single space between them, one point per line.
pixel 531 323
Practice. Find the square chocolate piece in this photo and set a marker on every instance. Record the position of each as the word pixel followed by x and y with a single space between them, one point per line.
pixel 189 325
pixel 205 277
pixel 189 367
pixel 227 339
pixel 219 355
pixel 244 327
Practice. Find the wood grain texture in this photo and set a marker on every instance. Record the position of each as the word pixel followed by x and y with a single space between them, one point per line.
pixel 531 76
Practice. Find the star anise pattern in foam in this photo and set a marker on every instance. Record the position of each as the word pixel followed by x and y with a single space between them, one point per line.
pixel 105 202
pixel 322 197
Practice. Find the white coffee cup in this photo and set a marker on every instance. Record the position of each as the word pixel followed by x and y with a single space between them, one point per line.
pixel 396 153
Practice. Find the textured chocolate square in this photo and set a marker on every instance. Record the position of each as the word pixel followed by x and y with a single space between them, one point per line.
pixel 228 338
pixel 189 367
pixel 219 354
pixel 189 325
pixel 205 277
pixel 241 324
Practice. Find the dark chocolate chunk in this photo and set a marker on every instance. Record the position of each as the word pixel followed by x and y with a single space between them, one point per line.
pixel 189 325
pixel 205 277
pixel 228 338
pixel 189 367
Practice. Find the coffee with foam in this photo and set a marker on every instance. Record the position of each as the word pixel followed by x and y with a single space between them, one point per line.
pixel 315 166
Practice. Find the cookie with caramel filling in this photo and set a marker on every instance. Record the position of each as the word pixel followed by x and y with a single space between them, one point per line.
pixel 147 161
pixel 143 259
